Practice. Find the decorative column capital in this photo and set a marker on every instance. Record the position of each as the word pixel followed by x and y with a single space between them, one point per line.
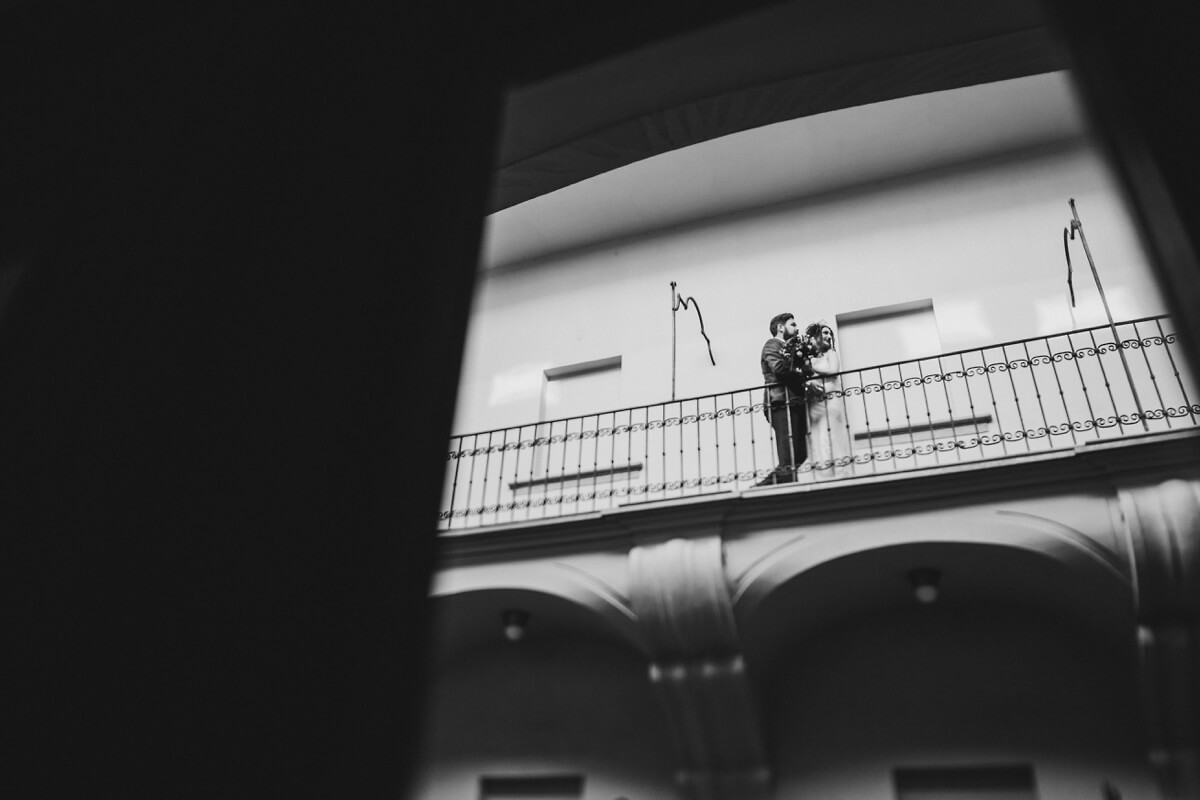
pixel 680 593
pixel 681 596
pixel 1163 525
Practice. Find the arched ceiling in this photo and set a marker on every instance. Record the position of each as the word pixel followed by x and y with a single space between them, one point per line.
pixel 466 622
pixel 976 579
pixel 774 63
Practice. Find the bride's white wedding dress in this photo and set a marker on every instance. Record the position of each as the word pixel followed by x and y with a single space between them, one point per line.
pixel 829 436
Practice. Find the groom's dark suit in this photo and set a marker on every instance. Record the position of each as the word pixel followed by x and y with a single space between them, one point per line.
pixel 783 404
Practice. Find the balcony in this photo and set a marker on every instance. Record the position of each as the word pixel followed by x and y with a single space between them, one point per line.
pixel 953 410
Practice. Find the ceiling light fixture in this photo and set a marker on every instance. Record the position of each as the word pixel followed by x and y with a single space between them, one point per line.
pixel 514 620
pixel 925 582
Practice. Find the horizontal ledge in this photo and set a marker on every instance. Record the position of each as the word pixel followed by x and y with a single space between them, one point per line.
pixel 907 430
pixel 583 368
pixel 576 476
pixel 884 312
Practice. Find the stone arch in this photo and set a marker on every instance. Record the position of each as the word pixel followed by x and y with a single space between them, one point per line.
pixel 466 613
pixel 1084 556
pixel 997 557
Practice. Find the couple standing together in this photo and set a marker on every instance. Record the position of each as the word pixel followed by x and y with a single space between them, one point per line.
pixel 799 369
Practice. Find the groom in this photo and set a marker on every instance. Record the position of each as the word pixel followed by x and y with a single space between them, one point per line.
pixel 783 400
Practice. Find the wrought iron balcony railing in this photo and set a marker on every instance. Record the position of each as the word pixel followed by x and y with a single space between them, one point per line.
pixel 1014 398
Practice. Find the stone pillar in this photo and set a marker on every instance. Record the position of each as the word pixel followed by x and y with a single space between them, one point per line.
pixel 680 594
pixel 1163 525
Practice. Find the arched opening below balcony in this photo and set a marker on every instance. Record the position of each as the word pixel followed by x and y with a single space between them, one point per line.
pixel 1019 662
pixel 566 703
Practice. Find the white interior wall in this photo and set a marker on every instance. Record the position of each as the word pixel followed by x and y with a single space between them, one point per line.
pixel 983 240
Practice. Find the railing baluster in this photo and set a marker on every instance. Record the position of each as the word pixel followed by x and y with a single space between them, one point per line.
pixel 596 442
pixel 848 442
pixel 595 457
pixel 471 476
pixel 958 442
pixel 816 459
pixel 607 440
pixel 500 472
pixel 668 462
pixel 630 460
pixel 716 441
pixel 945 381
pixel 1137 336
pixel 1077 356
pixel 563 491
pixel 532 450
pixel 887 419
pixel 612 460
pixel 733 435
pixel 662 436
pixel 487 463
pixel 1044 430
pixel 752 416
pixel 678 429
pixel 1061 394
pixel 1107 385
pixel 543 501
pixel 454 484
pixel 908 424
pixel 1012 382
pixel 684 428
pixel 681 430
pixel 739 456
pixel 512 505
pixel 988 371
pixel 870 440
pixel 534 458
pixel 828 421
pixel 646 452
pixel 1187 403
pixel 511 485
pixel 579 465
pixel 937 459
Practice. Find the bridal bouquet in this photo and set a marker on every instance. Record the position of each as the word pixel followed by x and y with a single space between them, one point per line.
pixel 802 350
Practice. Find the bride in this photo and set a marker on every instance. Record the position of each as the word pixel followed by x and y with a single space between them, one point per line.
pixel 830 447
